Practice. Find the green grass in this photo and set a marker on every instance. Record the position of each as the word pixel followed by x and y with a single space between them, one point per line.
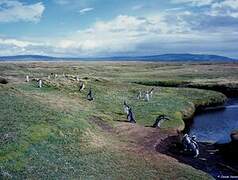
pixel 47 133
pixel 49 143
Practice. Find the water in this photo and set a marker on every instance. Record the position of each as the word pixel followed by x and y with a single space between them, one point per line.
pixel 216 125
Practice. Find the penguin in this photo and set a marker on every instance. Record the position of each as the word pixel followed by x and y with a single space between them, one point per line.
pixel 131 116
pixel 159 120
pixel 27 78
pixel 90 95
pixel 40 83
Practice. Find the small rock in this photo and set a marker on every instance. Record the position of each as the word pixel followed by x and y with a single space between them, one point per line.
pixel 234 136
pixel 3 80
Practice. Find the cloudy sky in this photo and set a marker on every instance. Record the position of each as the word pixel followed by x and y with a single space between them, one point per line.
pixel 81 28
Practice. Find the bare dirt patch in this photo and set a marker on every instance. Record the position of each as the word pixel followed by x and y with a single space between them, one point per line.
pixel 146 137
pixel 100 123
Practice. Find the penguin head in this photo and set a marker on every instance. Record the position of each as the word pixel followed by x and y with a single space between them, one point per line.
pixel 194 137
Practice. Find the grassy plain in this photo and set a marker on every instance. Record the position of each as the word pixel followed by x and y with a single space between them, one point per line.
pixel 55 133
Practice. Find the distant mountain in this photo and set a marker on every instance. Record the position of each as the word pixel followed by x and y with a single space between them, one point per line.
pixel 163 57
pixel 27 58
pixel 178 57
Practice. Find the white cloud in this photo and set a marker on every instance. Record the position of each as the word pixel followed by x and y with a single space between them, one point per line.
pixel 168 32
pixel 15 42
pixel 74 4
pixel 225 8
pixel 13 11
pixel 215 7
pixel 137 7
pixel 85 10
pixel 193 2
pixel 122 34
pixel 174 9
pixel 154 34
pixel 119 35
pixel 10 46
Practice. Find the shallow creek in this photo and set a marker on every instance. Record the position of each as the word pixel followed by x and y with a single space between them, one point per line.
pixel 216 124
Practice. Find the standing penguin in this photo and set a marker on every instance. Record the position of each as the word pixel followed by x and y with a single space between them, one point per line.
pixel 126 107
pixel 194 146
pixel 131 116
pixel 27 78
pixel 77 78
pixel 81 86
pixel 90 95
pixel 151 92
pixel 185 142
pixel 147 96
pixel 40 83
pixel 139 95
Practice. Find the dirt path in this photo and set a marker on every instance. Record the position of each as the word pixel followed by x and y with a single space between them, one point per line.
pixel 145 137
pixel 102 124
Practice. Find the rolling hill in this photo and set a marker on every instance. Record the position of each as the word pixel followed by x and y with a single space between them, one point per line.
pixel 163 57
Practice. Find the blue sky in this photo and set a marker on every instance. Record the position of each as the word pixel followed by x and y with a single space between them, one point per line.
pixel 82 28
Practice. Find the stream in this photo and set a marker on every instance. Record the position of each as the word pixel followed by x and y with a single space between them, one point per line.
pixel 216 124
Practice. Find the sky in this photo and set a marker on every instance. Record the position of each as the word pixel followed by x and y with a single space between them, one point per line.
pixel 99 28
